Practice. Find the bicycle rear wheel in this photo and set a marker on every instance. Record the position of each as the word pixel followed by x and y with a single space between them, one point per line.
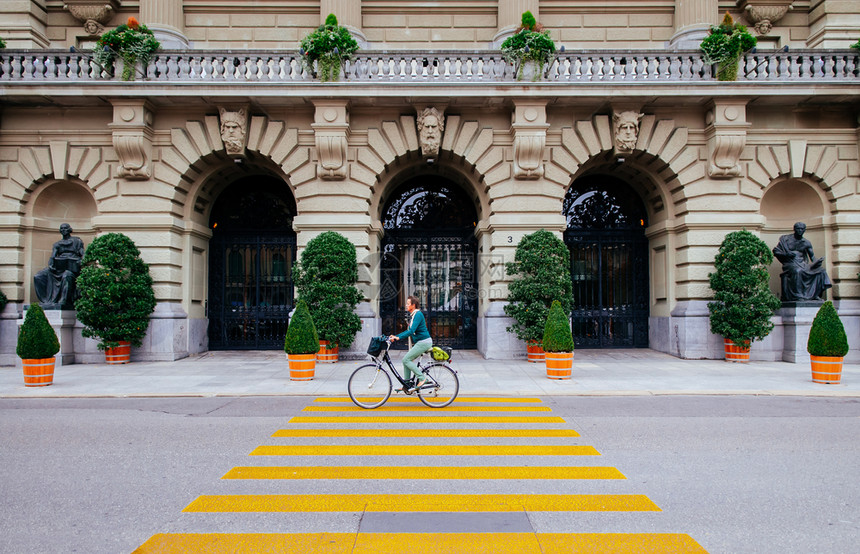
pixel 369 386
pixel 442 386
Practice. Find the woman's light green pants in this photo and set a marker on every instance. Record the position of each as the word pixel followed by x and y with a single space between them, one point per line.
pixel 409 365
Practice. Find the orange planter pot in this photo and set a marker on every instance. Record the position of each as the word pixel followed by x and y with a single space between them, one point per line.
pixel 327 355
pixel 535 352
pixel 559 365
pixel 119 355
pixel 302 366
pixel 38 372
pixel 826 369
pixel 735 353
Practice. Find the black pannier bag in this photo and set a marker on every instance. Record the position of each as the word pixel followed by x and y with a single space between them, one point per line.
pixel 376 346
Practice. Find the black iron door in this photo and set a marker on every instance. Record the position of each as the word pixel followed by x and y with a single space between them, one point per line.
pixel 608 264
pixel 429 250
pixel 441 272
pixel 251 291
pixel 609 270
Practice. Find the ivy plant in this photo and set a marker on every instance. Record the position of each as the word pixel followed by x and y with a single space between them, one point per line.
pixel 724 45
pixel 325 278
pixel 541 270
pixel 132 42
pixel 116 292
pixel 329 45
pixel 531 43
pixel 743 303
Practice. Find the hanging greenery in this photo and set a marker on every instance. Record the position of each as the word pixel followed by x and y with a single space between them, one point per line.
pixel 541 268
pixel 116 292
pixel 130 41
pixel 827 335
pixel 36 338
pixel 743 303
pixel 328 46
pixel 724 45
pixel 325 279
pixel 531 43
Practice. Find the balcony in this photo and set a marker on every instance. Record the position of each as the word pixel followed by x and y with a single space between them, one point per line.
pixel 470 72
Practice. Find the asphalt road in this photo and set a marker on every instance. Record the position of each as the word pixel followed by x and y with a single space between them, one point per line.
pixel 736 474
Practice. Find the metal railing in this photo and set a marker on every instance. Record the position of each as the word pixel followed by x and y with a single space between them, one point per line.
pixel 213 66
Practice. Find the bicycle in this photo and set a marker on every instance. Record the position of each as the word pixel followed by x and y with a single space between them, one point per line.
pixel 369 386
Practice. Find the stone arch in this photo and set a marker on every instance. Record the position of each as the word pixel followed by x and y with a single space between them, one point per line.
pixel 663 162
pixel 819 164
pixel 59 161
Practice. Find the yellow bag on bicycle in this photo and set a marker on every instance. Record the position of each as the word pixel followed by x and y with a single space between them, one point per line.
pixel 442 354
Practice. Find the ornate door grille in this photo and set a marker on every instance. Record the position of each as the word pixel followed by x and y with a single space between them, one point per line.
pixel 608 264
pixel 251 291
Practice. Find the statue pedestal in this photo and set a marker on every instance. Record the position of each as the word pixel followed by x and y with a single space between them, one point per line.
pixel 63 324
pixel 796 321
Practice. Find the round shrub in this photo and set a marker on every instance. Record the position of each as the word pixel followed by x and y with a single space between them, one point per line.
pixel 557 336
pixel 743 303
pixel 116 292
pixel 301 336
pixel 542 263
pixel 325 279
pixel 827 336
pixel 36 338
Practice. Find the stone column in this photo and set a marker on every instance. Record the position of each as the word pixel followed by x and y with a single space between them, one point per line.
pixel 24 24
pixel 833 24
pixel 693 18
pixel 510 15
pixel 165 18
pixel 348 14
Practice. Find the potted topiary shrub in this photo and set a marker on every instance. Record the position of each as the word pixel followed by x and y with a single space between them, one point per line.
pixel 827 345
pixel 541 268
pixel 325 280
pixel 326 49
pixel 37 347
pixel 724 45
pixel 132 42
pixel 301 344
pixel 529 49
pixel 116 296
pixel 558 343
pixel 743 304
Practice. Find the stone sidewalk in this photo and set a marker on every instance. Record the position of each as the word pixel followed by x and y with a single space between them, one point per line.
pixel 595 372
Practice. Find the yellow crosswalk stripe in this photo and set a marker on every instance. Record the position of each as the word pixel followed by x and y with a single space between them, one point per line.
pixel 423 433
pixel 417 419
pixel 423 450
pixel 460 399
pixel 422 543
pixel 433 472
pixel 423 503
pixel 422 408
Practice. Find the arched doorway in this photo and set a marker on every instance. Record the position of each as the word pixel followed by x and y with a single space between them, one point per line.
pixel 605 233
pixel 430 250
pixel 252 250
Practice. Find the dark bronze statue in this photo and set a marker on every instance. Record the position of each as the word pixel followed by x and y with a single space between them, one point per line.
pixel 55 285
pixel 801 280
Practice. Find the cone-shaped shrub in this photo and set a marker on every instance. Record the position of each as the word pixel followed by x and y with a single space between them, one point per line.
pixel 325 279
pixel 36 339
pixel 301 336
pixel 827 336
pixel 116 292
pixel 542 266
pixel 557 336
pixel 743 303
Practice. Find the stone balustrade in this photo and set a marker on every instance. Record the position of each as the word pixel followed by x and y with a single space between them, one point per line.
pixel 211 67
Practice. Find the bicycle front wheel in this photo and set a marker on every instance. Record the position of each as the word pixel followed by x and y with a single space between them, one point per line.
pixel 442 386
pixel 369 386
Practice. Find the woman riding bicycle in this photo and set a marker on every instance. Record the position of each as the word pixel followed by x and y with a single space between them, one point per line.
pixel 418 330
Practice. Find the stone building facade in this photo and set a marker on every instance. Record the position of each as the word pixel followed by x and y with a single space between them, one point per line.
pixel 226 158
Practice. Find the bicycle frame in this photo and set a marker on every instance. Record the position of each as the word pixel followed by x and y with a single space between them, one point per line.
pixel 387 359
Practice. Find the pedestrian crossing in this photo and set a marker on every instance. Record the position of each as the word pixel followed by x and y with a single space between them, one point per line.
pixel 454 482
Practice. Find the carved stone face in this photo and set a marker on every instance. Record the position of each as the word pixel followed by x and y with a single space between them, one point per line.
pixel 430 127
pixel 233 131
pixel 626 130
